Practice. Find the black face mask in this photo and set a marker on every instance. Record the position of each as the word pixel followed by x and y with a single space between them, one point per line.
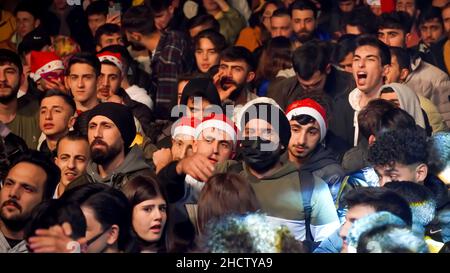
pixel 260 154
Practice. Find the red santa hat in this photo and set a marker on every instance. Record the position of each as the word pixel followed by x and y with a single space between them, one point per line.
pixel 311 108
pixel 113 57
pixel 185 126
pixel 221 122
pixel 43 62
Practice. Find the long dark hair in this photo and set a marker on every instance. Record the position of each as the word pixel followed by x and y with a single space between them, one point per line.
pixel 224 194
pixel 138 190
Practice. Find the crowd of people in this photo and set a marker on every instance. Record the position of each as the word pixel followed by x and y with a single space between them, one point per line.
pixel 180 126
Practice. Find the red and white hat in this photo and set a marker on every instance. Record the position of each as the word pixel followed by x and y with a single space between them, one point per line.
pixel 185 126
pixel 218 121
pixel 113 57
pixel 43 62
pixel 311 108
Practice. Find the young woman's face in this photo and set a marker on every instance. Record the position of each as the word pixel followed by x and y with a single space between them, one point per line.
pixel 149 219
pixel 206 55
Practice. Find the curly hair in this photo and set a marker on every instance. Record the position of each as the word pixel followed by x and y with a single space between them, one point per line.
pixel 406 147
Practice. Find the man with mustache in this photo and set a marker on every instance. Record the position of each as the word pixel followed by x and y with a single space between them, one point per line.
pixel 304 22
pixel 114 161
pixel 307 149
pixel 236 72
pixel 29 181
pixel 20 115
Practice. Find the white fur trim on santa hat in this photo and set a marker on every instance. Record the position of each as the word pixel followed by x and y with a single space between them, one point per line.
pixel 51 66
pixel 313 113
pixel 184 130
pixel 218 124
pixel 112 59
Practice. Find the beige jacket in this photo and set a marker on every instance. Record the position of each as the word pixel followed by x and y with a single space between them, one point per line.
pixel 432 83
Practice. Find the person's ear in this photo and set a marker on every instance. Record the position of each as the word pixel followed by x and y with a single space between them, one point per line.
pixel 171 9
pixel 194 146
pixel 136 36
pixel 421 172
pixel 408 37
pixel 66 83
pixel 250 76
pixel 37 23
pixel 98 48
pixel 113 234
pixel 328 69
pixel 23 78
pixel 372 140
pixel 386 70
pixel 72 121
pixel 404 74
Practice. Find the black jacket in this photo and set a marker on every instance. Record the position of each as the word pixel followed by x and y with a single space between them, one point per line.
pixel 323 164
pixel 436 55
pixel 288 90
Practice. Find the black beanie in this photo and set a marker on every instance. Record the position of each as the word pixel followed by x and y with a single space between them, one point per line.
pixel 265 112
pixel 121 116
pixel 200 87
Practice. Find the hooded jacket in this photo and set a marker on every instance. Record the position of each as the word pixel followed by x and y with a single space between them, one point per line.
pixel 133 165
pixel 408 101
pixel 280 197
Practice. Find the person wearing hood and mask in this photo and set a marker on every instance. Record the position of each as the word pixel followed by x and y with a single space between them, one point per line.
pixel 279 186
pixel 307 149
pixel 402 96
pixel 114 161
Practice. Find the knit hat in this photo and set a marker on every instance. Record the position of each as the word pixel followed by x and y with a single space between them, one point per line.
pixel 368 223
pixel 44 62
pixel 374 2
pixel 269 112
pixel 34 40
pixel 112 57
pixel 218 121
pixel 185 126
pixel 121 116
pixel 200 87
pixel 311 108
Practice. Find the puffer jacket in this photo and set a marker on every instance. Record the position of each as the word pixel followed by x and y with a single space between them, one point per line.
pixel 429 81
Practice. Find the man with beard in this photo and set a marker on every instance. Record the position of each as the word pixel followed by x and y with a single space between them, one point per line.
pixel 304 22
pixel 307 149
pixel 170 55
pixel 279 186
pixel 111 131
pixel 21 116
pixel 236 72
pixel 29 181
